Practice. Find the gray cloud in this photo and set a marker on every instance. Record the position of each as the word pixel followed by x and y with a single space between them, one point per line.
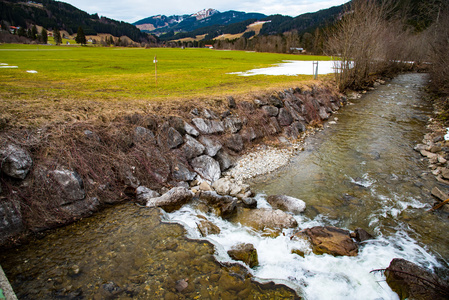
pixel 134 10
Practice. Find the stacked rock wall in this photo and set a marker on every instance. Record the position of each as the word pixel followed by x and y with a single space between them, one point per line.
pixel 61 178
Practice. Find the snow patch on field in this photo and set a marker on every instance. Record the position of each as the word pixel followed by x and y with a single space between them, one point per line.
pixel 292 68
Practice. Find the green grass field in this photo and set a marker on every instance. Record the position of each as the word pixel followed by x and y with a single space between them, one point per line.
pixel 72 74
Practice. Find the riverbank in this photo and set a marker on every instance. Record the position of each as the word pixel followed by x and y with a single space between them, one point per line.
pixel 54 175
pixel 270 155
pixel 434 149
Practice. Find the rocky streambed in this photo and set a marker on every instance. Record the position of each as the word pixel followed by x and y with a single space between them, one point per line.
pixel 194 167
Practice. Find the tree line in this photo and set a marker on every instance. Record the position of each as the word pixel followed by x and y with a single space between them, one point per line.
pixel 62 16
pixel 375 38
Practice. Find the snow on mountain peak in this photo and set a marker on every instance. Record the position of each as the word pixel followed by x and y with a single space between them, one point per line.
pixel 205 13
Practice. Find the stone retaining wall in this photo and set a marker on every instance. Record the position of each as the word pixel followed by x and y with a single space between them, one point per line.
pixel 44 187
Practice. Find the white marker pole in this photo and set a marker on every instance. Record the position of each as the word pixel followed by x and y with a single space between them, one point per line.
pixel 155 68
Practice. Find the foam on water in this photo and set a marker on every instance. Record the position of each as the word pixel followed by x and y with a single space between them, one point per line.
pixel 317 276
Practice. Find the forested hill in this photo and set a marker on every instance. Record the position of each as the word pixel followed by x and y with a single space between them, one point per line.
pixel 59 15
pixel 303 23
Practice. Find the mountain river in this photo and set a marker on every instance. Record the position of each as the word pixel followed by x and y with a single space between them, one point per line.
pixel 360 172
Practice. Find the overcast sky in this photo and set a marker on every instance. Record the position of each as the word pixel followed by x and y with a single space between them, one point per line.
pixel 135 10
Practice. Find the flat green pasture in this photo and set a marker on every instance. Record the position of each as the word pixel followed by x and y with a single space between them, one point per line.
pixel 73 74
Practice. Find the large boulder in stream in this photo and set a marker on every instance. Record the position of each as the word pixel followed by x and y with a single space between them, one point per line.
pixel 246 253
pixel 411 281
pixel 330 240
pixel 287 203
pixel 224 206
pixel 172 200
pixel 265 218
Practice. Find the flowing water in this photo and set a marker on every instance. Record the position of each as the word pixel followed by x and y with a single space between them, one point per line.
pixel 360 172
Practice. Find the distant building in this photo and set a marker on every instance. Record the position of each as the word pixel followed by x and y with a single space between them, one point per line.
pixel 209 46
pixel 297 50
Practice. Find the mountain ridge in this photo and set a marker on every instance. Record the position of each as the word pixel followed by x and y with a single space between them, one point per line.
pixel 160 24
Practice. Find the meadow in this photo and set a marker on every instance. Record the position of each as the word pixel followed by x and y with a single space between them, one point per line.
pixel 91 80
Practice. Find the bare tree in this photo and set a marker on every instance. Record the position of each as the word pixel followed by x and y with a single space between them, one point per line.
pixel 357 39
pixel 439 68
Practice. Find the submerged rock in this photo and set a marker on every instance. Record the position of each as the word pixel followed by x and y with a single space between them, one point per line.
pixel 331 240
pixel 172 200
pixel 246 253
pixel 15 161
pixel 440 195
pixel 206 227
pixel 287 203
pixel 181 285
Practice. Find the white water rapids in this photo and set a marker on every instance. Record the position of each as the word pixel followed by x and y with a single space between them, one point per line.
pixel 314 276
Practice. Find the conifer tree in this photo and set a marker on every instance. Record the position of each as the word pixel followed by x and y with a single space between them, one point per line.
pixel 57 36
pixel 4 26
pixel 80 36
pixel 34 32
pixel 44 36
pixel 21 31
